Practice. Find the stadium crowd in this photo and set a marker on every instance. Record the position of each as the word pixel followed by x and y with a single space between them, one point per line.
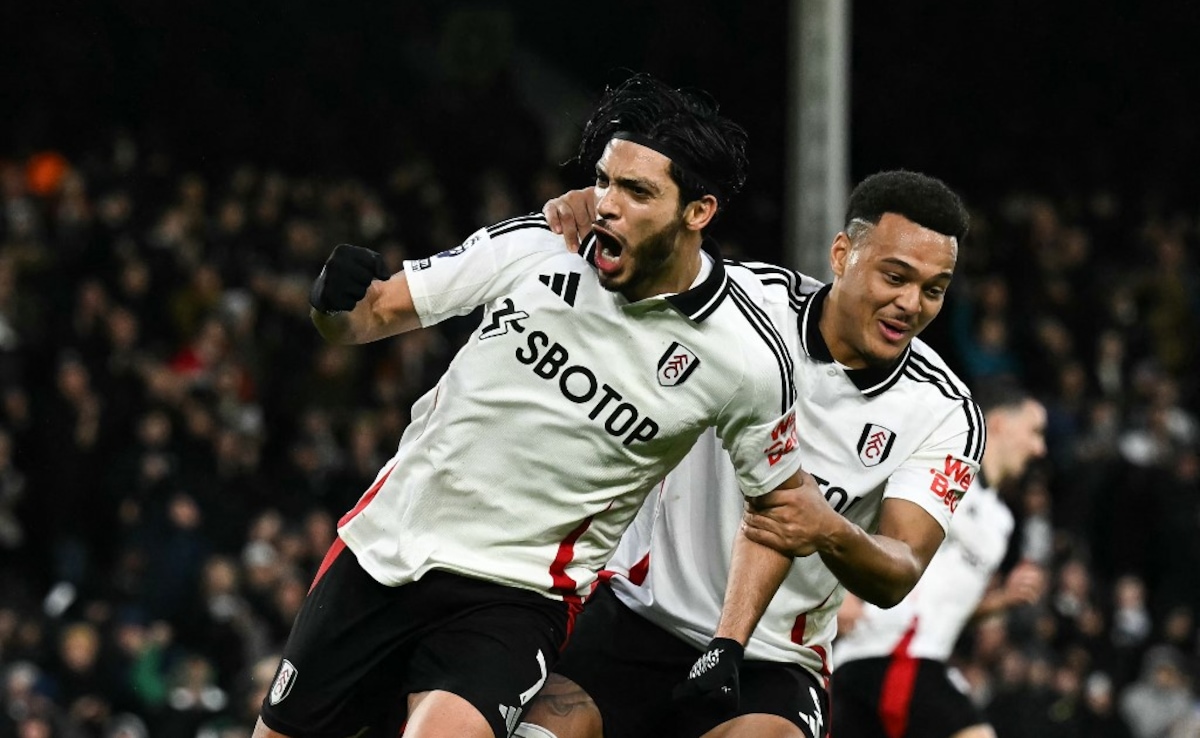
pixel 177 443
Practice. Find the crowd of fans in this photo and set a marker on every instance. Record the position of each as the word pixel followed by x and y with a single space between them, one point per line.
pixel 177 444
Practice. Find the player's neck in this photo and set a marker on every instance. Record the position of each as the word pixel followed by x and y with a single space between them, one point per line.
pixel 677 274
pixel 841 350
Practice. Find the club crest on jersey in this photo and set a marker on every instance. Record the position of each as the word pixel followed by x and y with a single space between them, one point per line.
pixel 875 444
pixel 676 365
pixel 284 681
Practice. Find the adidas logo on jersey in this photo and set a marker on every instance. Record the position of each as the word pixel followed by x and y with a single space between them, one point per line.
pixel 563 285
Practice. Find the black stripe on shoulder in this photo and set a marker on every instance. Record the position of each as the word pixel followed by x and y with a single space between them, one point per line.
pixel 922 370
pixel 775 275
pixel 766 330
pixel 533 220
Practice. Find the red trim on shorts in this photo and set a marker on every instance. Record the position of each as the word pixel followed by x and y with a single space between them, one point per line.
pixel 895 697
pixel 338 546
pixel 563 584
pixel 574 607
pixel 367 497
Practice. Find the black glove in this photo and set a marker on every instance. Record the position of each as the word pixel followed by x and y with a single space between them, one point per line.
pixel 343 281
pixel 713 680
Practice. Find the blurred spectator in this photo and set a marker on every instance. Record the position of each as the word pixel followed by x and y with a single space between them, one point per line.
pixel 1160 698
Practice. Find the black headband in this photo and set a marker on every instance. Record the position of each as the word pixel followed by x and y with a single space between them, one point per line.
pixel 682 160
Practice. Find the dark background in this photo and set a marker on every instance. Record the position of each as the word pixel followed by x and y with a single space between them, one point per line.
pixel 1063 98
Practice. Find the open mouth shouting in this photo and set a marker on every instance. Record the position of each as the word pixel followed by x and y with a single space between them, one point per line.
pixel 608 250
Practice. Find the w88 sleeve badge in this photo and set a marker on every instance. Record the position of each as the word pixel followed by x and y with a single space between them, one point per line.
pixel 950 482
pixel 783 439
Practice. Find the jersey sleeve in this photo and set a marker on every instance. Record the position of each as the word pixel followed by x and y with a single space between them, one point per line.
pixel 484 267
pixel 758 426
pixel 938 474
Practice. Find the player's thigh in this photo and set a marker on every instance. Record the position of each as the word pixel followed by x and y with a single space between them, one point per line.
pixel 778 700
pixel 757 726
pixel 628 667
pixel 565 710
pixel 441 714
pixel 496 658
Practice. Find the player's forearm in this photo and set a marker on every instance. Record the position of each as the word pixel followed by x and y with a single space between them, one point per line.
pixel 385 311
pixel 755 574
pixel 877 569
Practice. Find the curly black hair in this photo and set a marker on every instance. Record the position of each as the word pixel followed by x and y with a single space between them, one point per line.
pixel 923 199
pixel 684 121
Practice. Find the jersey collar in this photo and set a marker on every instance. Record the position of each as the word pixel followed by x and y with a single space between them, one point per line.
pixel 700 301
pixel 871 381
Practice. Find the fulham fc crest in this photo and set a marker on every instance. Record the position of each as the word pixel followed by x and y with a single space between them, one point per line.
pixel 875 444
pixel 283 683
pixel 676 365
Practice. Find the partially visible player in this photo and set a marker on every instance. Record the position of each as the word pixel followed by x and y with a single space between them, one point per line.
pixel 456 577
pixel 892 438
pixel 892 680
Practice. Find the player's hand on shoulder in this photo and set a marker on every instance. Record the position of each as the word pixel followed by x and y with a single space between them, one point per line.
pixel 713 683
pixel 344 280
pixel 790 520
pixel 571 215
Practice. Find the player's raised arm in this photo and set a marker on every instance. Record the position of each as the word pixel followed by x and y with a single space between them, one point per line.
pixel 355 299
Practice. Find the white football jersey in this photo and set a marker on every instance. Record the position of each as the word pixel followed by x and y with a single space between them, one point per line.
pixel 530 456
pixel 947 594
pixel 910 431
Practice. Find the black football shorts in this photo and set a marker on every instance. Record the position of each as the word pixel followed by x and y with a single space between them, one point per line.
pixel 629 666
pixel 881 697
pixel 358 648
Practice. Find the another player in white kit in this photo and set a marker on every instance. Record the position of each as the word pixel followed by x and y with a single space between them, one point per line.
pixel 892 680
pixel 456 577
pixel 893 439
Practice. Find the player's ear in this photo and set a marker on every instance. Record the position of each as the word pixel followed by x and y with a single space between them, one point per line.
pixel 839 253
pixel 697 214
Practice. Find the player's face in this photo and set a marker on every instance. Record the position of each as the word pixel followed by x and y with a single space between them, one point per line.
pixel 1022 437
pixel 889 284
pixel 639 223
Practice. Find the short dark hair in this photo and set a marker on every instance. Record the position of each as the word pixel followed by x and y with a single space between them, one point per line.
pixel 684 121
pixel 1000 393
pixel 924 200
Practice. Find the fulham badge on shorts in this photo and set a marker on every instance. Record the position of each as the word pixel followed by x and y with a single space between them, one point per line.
pixel 676 365
pixel 875 444
pixel 283 683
